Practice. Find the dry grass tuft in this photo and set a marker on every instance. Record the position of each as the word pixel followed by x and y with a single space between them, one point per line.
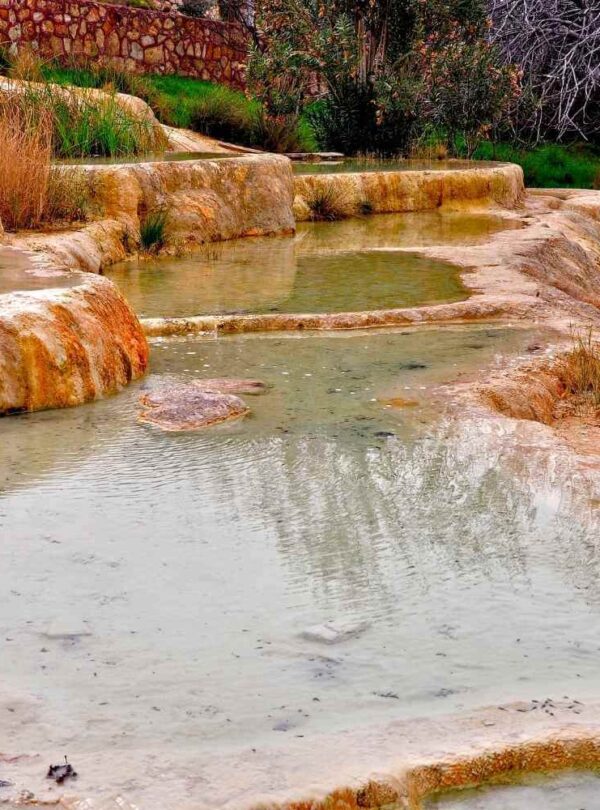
pixel 579 374
pixel 26 65
pixel 25 152
pixel 32 191
pixel 328 204
pixel 68 195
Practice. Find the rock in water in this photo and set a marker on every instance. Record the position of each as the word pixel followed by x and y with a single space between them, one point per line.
pixel 334 632
pixel 188 407
pixel 222 386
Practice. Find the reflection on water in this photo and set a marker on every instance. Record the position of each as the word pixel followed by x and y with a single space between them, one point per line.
pixel 394 165
pixel 574 791
pixel 16 274
pixel 332 283
pixel 161 157
pixel 334 267
pixel 159 584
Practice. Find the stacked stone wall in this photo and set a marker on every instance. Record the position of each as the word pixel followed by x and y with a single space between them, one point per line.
pixel 137 40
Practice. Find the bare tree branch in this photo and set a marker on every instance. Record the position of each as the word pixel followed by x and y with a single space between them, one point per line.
pixel 557 45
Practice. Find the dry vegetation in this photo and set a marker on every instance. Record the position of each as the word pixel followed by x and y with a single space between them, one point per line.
pixel 564 393
pixel 579 375
pixel 32 191
pixel 327 203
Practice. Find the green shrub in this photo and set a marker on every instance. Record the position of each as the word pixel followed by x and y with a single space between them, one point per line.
pixel 284 133
pixel 211 109
pixel 85 126
pixel 227 115
pixel 548 166
pixel 153 229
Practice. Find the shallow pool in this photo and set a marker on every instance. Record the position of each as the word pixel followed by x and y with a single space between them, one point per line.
pixel 396 165
pixel 164 588
pixel 327 267
pixel 572 791
pixel 18 275
pixel 161 157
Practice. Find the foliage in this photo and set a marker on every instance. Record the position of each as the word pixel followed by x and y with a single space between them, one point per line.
pixel 548 165
pixel 222 113
pixel 32 191
pixel 195 8
pixel 68 194
pixel 579 372
pixel 25 65
pixel 211 109
pixel 85 125
pixel 384 71
pixel 470 94
pixel 328 203
pixel 555 43
pixel 4 58
pixel 153 229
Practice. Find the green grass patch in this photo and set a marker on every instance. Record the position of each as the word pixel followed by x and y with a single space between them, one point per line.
pixel 550 165
pixel 153 229
pixel 87 126
pixel 211 109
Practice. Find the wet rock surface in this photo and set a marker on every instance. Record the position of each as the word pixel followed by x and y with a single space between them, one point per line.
pixel 64 347
pixel 335 632
pixel 187 407
pixel 224 386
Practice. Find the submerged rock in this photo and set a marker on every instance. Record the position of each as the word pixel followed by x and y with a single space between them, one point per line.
pixel 335 632
pixel 188 407
pixel 223 386
pixel 399 402
pixel 57 629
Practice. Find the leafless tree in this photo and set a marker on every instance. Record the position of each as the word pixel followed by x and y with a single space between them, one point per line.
pixel 557 45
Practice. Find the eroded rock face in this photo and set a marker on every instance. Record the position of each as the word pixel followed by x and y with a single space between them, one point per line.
pixel 64 347
pixel 186 407
pixel 207 200
pixel 396 192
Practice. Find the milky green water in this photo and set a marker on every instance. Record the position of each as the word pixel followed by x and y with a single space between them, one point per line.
pixel 573 791
pixel 161 591
pixel 372 165
pixel 160 584
pixel 335 267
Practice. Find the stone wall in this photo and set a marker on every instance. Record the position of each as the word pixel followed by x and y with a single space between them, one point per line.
pixel 138 40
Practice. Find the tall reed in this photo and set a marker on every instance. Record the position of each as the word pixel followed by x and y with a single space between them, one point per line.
pixel 33 192
pixel 579 371
pixel 25 152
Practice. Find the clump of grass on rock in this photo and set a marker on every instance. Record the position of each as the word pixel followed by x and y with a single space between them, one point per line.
pixel 211 109
pixel 153 229
pixel 89 125
pixel 32 191
pixel 328 203
pixel 579 373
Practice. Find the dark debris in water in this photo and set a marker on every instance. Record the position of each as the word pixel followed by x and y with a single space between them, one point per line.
pixel 61 772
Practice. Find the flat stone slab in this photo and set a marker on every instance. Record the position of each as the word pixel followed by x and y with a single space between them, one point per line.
pixel 186 407
pixel 335 632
